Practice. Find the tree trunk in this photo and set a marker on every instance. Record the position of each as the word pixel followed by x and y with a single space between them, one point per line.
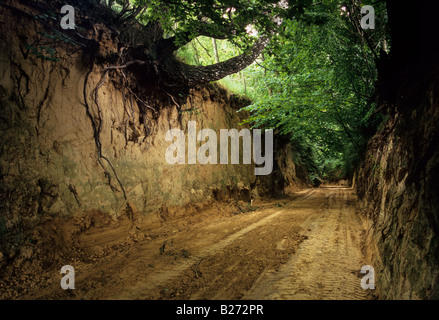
pixel 244 83
pixel 197 58
pixel 215 50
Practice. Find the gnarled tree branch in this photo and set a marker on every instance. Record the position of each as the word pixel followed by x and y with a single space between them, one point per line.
pixel 191 75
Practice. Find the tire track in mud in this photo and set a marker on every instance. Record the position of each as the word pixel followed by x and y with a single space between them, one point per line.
pixel 145 287
pixel 327 265
pixel 305 247
pixel 308 249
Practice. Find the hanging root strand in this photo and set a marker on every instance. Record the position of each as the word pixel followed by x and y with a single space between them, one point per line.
pixel 97 130
pixel 98 120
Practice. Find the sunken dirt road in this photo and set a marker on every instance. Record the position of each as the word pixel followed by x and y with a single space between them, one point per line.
pixel 306 247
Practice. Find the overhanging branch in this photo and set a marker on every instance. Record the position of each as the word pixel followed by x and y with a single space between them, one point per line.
pixel 195 75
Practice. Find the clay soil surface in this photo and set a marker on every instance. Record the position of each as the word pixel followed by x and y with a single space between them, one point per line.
pixel 309 246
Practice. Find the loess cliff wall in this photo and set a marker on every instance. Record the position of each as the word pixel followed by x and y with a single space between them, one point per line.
pixel 399 191
pixel 49 163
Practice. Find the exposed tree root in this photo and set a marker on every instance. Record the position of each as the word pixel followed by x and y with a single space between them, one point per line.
pixel 97 123
pixel 96 134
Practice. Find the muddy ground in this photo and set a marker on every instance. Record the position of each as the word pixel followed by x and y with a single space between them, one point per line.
pixel 308 246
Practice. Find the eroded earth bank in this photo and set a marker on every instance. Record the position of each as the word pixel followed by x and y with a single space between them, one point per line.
pixel 84 182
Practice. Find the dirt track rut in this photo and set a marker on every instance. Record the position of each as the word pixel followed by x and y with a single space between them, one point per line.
pixel 327 265
pixel 309 247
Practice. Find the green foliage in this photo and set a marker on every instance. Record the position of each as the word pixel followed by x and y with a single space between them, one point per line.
pixel 221 19
pixel 316 81
pixel 213 17
pixel 318 91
